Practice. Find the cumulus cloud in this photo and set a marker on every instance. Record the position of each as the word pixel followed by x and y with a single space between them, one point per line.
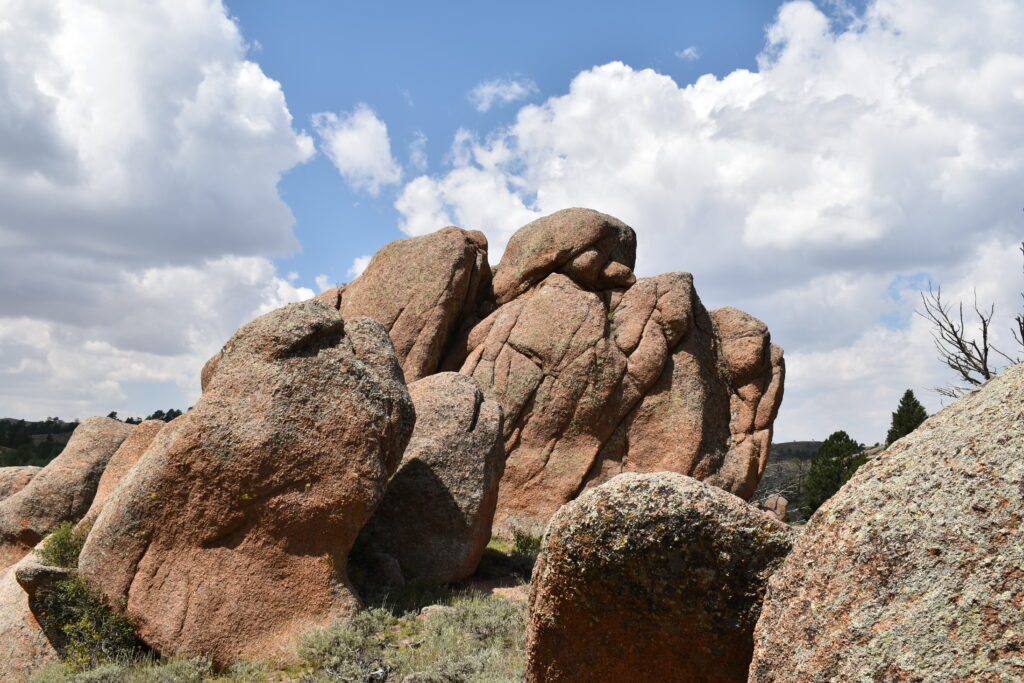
pixel 689 54
pixel 358 145
pixel 862 156
pixel 359 265
pixel 500 91
pixel 139 158
pixel 418 152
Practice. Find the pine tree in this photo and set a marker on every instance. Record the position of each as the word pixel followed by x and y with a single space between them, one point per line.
pixel 838 458
pixel 908 416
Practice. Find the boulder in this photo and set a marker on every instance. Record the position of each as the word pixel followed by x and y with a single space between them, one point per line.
pixel 592 248
pixel 435 519
pixel 913 570
pixel 230 535
pixel 24 647
pixel 14 479
pixel 62 491
pixel 420 289
pixel 651 577
pixel 127 454
pixel 777 506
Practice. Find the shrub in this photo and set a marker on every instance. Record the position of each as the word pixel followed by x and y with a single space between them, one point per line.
pixel 84 631
pixel 62 547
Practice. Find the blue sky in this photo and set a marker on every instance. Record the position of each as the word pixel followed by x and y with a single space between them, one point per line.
pixel 414 65
pixel 171 169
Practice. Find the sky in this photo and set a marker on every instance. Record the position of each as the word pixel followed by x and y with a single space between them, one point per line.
pixel 170 169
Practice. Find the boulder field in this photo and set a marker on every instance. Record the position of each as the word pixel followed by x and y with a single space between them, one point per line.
pixel 417 408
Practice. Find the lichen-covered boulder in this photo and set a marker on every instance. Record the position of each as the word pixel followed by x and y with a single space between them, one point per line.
pixel 420 289
pixel 127 454
pixel 435 519
pixel 651 577
pixel 14 479
pixel 230 535
pixel 914 570
pixel 62 491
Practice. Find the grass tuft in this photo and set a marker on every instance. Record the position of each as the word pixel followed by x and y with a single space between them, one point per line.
pixel 62 547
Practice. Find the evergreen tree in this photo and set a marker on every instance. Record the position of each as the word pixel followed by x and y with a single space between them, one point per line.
pixel 908 416
pixel 838 458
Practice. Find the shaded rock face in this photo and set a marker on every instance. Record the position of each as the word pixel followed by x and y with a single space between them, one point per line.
pixel 61 491
pixel 913 570
pixel 127 454
pixel 420 289
pixel 651 577
pixel 230 535
pixel 14 479
pixel 435 519
pixel 24 647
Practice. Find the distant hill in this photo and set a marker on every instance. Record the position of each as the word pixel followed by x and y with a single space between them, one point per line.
pixel 26 442
pixel 800 450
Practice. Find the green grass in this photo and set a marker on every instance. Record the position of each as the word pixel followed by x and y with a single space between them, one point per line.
pixel 503 557
pixel 62 547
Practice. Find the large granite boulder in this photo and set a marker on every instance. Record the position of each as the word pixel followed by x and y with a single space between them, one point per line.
pixel 127 454
pixel 14 479
pixel 914 570
pixel 420 289
pixel 62 491
pixel 230 535
pixel 654 577
pixel 435 519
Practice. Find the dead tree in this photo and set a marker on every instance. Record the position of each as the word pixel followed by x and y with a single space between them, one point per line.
pixel 971 356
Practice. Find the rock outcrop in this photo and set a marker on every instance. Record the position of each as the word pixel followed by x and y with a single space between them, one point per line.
pixel 421 289
pixel 435 519
pixel 62 491
pixel 913 570
pixel 230 536
pixel 651 577
pixel 127 454
pixel 14 479
pixel 600 373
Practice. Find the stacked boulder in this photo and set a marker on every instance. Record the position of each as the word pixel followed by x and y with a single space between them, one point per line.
pixel 597 372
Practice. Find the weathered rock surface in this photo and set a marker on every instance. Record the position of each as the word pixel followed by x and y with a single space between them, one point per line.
pixel 592 248
pixel 777 506
pixel 127 454
pixel 24 647
pixel 651 577
pixel 420 289
pixel 914 570
pixel 230 536
pixel 62 491
pixel 14 479
pixel 436 516
pixel 599 373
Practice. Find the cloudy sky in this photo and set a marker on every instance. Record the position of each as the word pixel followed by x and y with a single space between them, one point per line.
pixel 170 169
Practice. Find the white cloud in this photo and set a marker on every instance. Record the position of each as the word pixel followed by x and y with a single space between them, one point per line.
pixel 852 160
pixel 690 54
pixel 500 91
pixel 358 266
pixel 139 158
pixel 418 152
pixel 323 283
pixel 358 145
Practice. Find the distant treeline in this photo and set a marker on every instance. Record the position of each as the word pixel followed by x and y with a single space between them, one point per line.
pixel 23 442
